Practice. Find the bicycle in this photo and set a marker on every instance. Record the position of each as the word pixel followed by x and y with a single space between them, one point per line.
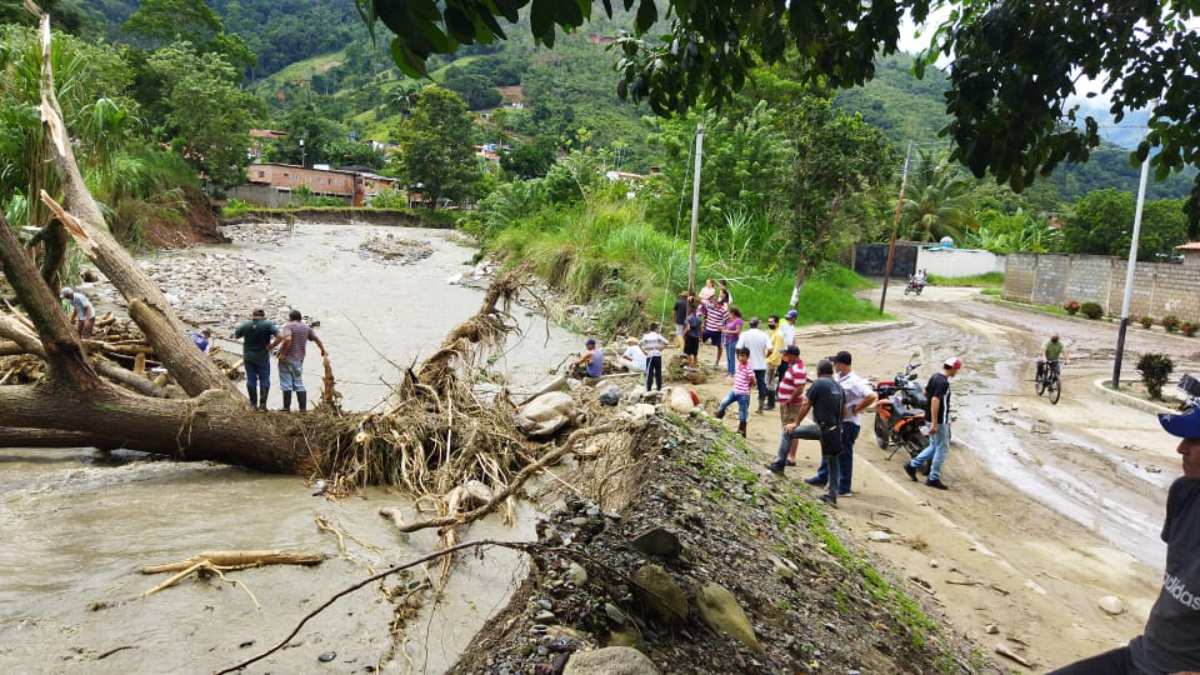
pixel 1051 381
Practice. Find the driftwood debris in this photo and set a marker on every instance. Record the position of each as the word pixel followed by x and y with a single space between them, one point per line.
pixel 238 560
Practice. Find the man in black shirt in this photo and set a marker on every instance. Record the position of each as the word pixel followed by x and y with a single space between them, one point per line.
pixel 825 399
pixel 937 392
pixel 1170 642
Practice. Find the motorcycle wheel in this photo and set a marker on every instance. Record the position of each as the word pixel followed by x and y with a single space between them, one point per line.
pixel 883 435
pixel 1055 389
pixel 914 444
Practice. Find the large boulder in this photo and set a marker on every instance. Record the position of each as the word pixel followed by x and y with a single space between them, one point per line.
pixel 660 592
pixel 546 414
pixel 610 661
pixel 721 611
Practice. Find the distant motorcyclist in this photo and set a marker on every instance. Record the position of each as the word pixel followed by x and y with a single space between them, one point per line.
pixel 1052 350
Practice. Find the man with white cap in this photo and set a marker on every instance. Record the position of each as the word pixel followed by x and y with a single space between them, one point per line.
pixel 82 311
pixel 1170 642
pixel 788 328
pixel 937 392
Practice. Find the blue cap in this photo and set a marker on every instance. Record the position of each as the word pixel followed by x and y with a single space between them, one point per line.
pixel 1183 426
pixel 791 314
pixel 590 341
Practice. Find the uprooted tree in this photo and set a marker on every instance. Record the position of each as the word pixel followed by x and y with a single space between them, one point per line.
pixel 435 435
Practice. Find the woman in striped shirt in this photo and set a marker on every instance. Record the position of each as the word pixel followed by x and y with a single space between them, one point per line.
pixel 743 380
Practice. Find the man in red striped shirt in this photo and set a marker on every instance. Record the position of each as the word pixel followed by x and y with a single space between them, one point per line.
pixel 791 393
pixel 714 326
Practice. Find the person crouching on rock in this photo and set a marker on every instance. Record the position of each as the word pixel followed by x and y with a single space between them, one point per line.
pixel 591 366
pixel 743 380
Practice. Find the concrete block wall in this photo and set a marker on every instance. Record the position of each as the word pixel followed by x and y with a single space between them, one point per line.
pixel 1158 289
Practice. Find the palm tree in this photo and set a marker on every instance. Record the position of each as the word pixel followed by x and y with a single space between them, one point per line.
pixel 935 201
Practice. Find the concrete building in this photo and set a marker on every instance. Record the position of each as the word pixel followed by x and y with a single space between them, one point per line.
pixel 272 184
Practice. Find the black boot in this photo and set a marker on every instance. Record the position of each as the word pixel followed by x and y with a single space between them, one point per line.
pixel 253 396
pixel 742 429
pixel 262 397
pixel 770 400
pixel 720 414
pixel 302 399
pixel 287 400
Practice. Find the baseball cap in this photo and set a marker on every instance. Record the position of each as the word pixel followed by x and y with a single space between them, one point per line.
pixel 791 314
pixel 842 357
pixel 1183 426
pixel 67 291
pixel 590 341
pixel 952 362
pixel 792 350
pixel 631 341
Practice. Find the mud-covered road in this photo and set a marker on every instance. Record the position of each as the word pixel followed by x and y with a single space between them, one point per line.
pixel 1051 507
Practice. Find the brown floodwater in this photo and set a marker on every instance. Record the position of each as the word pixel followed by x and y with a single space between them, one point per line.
pixel 79 524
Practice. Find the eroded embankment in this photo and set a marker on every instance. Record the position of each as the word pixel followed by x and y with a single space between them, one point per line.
pixel 672 525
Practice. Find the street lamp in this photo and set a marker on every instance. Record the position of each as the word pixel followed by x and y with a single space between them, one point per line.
pixel 301 153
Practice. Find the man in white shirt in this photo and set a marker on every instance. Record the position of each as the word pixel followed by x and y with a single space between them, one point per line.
pixel 860 395
pixel 633 358
pixel 788 328
pixel 758 343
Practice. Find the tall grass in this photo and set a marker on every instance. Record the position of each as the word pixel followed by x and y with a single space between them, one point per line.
pixel 605 252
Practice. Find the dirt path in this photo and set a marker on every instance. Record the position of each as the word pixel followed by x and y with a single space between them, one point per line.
pixel 1050 507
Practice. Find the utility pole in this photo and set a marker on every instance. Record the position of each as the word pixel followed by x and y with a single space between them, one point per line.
pixel 887 270
pixel 1133 248
pixel 695 209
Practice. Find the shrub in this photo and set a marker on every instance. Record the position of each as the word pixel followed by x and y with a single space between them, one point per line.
pixel 1156 370
pixel 1187 328
pixel 1072 307
pixel 1091 310
pixel 1146 321
pixel 1171 323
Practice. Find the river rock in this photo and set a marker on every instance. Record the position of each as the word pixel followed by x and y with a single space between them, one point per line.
pixel 577 575
pixel 1111 604
pixel 610 661
pixel 721 611
pixel 546 414
pixel 658 541
pixel 680 400
pixel 879 535
pixel 661 593
pixel 611 395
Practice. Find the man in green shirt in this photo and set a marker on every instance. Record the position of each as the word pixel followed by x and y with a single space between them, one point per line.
pixel 1052 350
pixel 256 334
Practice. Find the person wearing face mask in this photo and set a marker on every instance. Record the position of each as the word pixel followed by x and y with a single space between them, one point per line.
pixel 1052 351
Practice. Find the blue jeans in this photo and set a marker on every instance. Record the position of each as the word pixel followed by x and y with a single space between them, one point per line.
pixel 760 378
pixel 939 447
pixel 654 371
pixel 845 461
pixel 258 375
pixel 291 375
pixel 743 401
pixel 731 357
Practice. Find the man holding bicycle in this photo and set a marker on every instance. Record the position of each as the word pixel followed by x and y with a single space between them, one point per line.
pixel 1052 351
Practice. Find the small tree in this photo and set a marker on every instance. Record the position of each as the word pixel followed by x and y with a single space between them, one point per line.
pixel 1155 370
pixel 1072 307
pixel 1187 328
pixel 1171 323
pixel 1147 321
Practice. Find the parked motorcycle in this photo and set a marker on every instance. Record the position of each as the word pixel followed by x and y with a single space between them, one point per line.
pixel 900 414
pixel 915 285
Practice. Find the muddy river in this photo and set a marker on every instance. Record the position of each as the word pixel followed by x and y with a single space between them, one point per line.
pixel 78 525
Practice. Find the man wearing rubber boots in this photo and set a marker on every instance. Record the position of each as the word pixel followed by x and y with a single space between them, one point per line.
pixel 1169 643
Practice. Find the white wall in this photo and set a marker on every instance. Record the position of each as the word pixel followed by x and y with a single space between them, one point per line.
pixel 958 262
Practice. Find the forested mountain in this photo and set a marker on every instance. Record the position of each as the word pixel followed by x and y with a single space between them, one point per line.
pixel 910 109
pixel 279 31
